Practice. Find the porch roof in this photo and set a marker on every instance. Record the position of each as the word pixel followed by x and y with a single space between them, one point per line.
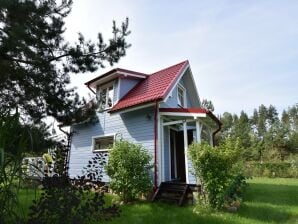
pixel 195 112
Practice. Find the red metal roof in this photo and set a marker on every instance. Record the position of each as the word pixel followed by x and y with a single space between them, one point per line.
pixel 154 88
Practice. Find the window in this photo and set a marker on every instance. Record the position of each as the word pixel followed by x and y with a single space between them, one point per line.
pixel 106 96
pixel 181 96
pixel 102 143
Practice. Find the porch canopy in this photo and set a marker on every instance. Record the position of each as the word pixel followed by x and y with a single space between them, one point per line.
pixel 200 120
pixel 201 116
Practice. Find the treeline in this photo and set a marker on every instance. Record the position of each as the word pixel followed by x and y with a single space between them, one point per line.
pixel 264 136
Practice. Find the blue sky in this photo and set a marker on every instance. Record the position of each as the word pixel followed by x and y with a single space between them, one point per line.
pixel 242 53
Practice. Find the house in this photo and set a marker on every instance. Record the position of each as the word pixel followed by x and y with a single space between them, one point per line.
pixel 160 111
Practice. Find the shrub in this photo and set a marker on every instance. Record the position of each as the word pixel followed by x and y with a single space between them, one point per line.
pixel 129 169
pixel 215 168
pixel 72 201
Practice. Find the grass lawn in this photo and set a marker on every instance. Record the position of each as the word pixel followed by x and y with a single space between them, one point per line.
pixel 266 201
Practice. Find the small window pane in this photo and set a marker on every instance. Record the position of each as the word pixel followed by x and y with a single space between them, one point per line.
pixel 103 98
pixel 110 96
pixel 180 96
pixel 103 143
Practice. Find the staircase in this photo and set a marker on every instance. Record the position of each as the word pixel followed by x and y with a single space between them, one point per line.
pixel 172 192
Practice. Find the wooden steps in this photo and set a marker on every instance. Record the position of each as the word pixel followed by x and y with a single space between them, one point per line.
pixel 174 192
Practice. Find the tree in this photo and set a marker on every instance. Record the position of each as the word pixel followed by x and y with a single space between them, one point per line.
pixel 36 60
pixel 207 104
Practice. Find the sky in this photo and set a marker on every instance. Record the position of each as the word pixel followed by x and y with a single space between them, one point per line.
pixel 242 53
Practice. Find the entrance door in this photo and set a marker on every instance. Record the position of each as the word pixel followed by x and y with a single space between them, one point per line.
pixel 180 159
pixel 173 155
pixel 177 154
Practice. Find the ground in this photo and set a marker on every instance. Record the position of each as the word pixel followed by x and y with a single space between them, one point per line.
pixel 265 201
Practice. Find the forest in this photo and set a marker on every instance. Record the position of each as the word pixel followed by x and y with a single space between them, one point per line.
pixel 268 140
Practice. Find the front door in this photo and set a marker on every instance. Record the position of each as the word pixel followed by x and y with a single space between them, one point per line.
pixel 177 163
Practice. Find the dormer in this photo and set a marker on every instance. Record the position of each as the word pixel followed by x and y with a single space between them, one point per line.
pixel 113 85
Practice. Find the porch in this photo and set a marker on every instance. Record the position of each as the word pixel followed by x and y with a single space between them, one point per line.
pixel 180 127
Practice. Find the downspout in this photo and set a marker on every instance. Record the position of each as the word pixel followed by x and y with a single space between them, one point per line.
pixel 155 145
pixel 216 131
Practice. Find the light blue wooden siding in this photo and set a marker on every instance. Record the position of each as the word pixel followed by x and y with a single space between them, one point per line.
pixel 126 84
pixel 172 101
pixel 133 126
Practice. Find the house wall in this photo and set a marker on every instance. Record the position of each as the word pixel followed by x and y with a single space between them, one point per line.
pixel 126 84
pixel 136 126
pixel 172 101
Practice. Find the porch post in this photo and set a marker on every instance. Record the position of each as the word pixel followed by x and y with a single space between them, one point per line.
pixel 185 150
pixel 162 150
pixel 198 131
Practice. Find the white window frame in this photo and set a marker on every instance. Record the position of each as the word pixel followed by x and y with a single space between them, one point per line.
pixel 100 89
pixel 101 136
pixel 179 86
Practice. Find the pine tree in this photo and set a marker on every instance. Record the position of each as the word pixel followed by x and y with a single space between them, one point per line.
pixel 36 60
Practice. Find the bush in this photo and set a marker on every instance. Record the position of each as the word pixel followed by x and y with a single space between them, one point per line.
pixel 73 201
pixel 216 170
pixel 129 170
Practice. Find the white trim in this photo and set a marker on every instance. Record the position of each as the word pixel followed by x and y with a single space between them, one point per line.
pixel 183 114
pixel 133 75
pixel 162 151
pixel 106 87
pixel 132 109
pixel 179 86
pixel 110 77
pixel 177 81
pixel 101 136
pixel 118 90
pixel 185 151
pixel 176 122
pixel 169 148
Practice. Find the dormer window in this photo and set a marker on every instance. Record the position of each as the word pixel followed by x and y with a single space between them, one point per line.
pixel 181 96
pixel 106 96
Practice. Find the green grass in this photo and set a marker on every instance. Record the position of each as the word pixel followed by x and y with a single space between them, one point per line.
pixel 266 201
pixel 25 200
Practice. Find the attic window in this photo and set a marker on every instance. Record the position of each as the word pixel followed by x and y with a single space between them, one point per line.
pixel 181 96
pixel 102 143
pixel 106 96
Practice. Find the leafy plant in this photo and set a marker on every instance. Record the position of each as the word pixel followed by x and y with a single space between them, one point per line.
pixel 73 201
pixel 214 168
pixel 129 169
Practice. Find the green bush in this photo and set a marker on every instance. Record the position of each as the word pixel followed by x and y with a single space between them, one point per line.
pixel 216 169
pixel 129 170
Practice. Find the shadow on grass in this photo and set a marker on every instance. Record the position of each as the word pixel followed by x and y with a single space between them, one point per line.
pixel 269 202
pixel 286 195
pixel 264 213
pixel 147 213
